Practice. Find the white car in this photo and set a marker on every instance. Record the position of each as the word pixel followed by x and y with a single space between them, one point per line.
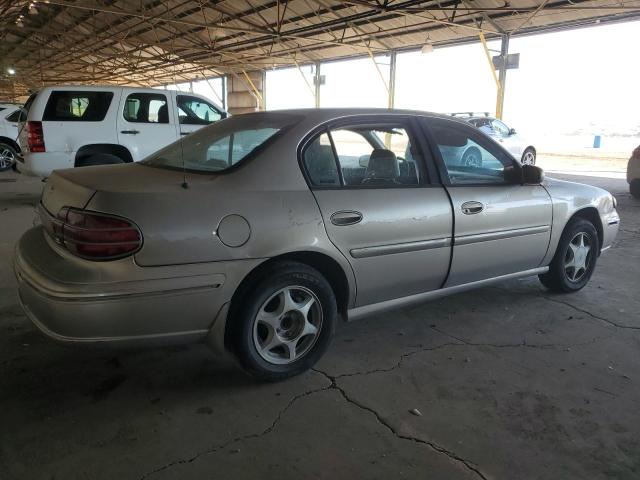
pixel 9 148
pixel 515 144
pixel 76 126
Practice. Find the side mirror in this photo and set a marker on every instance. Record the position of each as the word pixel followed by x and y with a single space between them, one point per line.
pixel 532 175
pixel 512 131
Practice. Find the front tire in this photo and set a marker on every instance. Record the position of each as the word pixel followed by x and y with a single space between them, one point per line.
pixel 634 187
pixel 529 157
pixel 575 259
pixel 286 322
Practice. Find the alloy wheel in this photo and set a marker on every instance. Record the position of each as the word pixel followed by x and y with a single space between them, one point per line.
pixel 529 158
pixel 7 158
pixel 287 325
pixel 578 257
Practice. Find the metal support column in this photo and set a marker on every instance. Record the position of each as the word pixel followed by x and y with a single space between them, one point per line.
pixel 392 79
pixel 316 82
pixel 502 75
pixel 224 92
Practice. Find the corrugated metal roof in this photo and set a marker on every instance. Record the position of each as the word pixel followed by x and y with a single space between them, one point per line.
pixel 153 42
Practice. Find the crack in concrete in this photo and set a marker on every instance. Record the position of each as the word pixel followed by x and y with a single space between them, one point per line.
pixel 240 438
pixel 593 315
pixel 434 446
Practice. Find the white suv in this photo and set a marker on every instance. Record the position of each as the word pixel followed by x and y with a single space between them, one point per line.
pixel 75 126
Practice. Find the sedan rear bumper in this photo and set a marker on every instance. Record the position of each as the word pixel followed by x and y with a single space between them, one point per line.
pixel 74 300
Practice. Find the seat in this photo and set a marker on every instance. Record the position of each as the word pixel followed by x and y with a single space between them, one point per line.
pixel 163 114
pixel 321 164
pixel 383 168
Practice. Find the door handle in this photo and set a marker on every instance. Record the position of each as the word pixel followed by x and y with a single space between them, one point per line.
pixel 130 132
pixel 471 208
pixel 185 133
pixel 346 217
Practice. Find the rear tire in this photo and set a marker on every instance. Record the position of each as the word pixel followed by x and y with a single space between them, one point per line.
pixel 285 323
pixel 8 156
pixel 99 159
pixel 634 187
pixel 572 264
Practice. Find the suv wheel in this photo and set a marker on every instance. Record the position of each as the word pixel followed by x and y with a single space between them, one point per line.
pixel 634 187
pixel 99 159
pixel 529 157
pixel 575 259
pixel 472 158
pixel 286 322
pixel 7 156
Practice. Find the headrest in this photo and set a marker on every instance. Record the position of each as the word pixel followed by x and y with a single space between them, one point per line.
pixel 163 114
pixel 383 164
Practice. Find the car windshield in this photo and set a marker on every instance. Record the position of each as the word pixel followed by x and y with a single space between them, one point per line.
pixel 222 145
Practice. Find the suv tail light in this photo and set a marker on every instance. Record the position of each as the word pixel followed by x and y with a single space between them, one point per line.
pixel 96 236
pixel 35 137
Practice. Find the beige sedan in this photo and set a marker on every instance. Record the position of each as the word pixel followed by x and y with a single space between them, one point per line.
pixel 259 233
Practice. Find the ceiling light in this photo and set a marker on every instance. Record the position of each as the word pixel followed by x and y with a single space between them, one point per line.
pixel 19 23
pixel 427 48
pixel 11 71
pixel 33 10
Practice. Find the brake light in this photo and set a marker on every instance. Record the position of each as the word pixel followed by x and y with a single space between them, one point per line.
pixel 96 236
pixel 35 137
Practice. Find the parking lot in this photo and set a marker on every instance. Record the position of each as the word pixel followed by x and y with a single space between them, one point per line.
pixel 502 382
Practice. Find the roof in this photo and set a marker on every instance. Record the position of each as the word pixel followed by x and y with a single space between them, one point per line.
pixel 155 42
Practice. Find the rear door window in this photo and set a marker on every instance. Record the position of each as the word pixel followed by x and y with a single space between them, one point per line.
pixel 195 111
pixel 146 108
pixel 77 106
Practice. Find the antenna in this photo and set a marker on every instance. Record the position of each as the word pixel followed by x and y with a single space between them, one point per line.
pixel 184 169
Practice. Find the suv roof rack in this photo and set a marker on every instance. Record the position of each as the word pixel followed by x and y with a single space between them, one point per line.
pixel 470 114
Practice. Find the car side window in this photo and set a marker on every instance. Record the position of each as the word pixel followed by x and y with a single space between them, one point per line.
pixel 320 162
pixel 195 111
pixel 80 106
pixel 469 157
pixel 146 108
pixel 15 116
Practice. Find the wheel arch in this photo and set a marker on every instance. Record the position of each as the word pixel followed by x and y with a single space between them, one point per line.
pixel 109 148
pixel 324 263
pixel 10 142
pixel 590 214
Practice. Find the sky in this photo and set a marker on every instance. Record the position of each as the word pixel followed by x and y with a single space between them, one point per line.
pixel 580 82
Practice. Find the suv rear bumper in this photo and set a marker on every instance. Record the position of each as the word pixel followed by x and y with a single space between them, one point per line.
pixel 43 163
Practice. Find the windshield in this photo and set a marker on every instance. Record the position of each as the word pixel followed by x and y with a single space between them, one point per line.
pixel 222 145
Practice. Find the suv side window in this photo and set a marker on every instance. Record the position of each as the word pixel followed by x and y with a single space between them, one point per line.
pixel 68 106
pixel 469 157
pixel 367 156
pixel 15 116
pixel 146 108
pixel 195 111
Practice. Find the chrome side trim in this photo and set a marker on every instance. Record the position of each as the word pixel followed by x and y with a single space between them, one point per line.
pixel 378 250
pixel 366 310
pixel 488 236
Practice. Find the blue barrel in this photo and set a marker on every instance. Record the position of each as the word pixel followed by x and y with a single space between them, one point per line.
pixel 596 141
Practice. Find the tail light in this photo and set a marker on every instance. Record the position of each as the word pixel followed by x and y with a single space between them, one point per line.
pixel 96 236
pixel 35 137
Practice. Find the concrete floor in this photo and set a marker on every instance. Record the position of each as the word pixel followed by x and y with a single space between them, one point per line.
pixel 512 383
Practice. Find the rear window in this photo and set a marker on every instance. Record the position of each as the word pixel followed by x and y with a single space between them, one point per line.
pixel 223 144
pixel 68 106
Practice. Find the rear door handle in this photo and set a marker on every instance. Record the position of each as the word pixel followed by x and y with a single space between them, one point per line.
pixel 471 208
pixel 346 217
pixel 185 133
pixel 130 132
